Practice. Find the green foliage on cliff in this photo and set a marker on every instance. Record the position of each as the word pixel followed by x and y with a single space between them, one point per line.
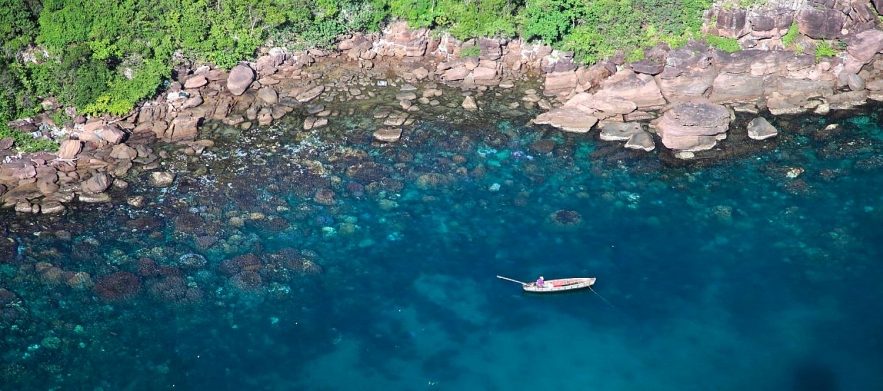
pixel 824 49
pixel 790 37
pixel 462 19
pixel 728 45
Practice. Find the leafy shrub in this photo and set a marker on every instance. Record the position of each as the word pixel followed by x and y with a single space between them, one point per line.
pixel 728 45
pixel 824 49
pixel 549 20
pixel 790 37
pixel 470 51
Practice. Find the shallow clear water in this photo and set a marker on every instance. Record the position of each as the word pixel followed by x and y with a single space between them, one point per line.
pixel 739 273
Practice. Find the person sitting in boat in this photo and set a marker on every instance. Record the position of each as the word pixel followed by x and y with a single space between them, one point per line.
pixel 541 283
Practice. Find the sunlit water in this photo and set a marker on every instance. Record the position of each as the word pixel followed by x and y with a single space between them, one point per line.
pixel 756 272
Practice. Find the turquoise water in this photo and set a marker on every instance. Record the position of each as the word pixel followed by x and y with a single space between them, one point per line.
pixel 321 261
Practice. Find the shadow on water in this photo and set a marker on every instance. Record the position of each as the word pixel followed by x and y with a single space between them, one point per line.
pixel 814 377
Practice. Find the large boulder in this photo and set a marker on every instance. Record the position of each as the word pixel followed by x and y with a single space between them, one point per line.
pixel 688 84
pixel 195 81
pixel 865 45
pixel 820 23
pixel 98 183
pixel 731 23
pixel 559 83
pixel 183 128
pixel 240 78
pixel 761 129
pixel 693 126
pixel 268 95
pixel 69 149
pixel 113 134
pixel 638 88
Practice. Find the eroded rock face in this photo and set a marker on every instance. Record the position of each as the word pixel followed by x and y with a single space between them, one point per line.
pixel 693 126
pixel 638 88
pixel 240 78
pixel 820 23
pixel 865 45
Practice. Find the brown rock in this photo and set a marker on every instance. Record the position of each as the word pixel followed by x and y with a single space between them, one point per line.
pixel 568 119
pixel 23 207
pixel 388 135
pixel 557 83
pixel 93 125
pixel 457 73
pixel 69 149
pixel 641 140
pixel 469 103
pixel 161 179
pixel 638 88
pixel 731 23
pixel 693 126
pixel 123 152
pixel 240 78
pixel 310 94
pixel 482 73
pixel 7 143
pixel 183 128
pixel 491 49
pixel 94 198
pixel 195 81
pixel 25 191
pixel 691 83
pixel 268 95
pixel 761 129
pixel 98 183
pixel 820 23
pixel 737 88
pixel 648 67
pixel 619 131
pixel 193 101
pixel 113 134
pixel 51 208
pixel 865 45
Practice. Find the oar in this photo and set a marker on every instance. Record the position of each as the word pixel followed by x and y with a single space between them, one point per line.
pixel 509 279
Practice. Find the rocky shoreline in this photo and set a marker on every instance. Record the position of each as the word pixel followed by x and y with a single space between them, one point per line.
pixel 685 98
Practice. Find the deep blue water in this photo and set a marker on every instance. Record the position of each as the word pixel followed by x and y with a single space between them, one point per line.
pixel 723 274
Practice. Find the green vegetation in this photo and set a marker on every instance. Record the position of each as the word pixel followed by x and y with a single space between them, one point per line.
pixel 728 45
pixel 470 51
pixel 824 49
pixel 790 38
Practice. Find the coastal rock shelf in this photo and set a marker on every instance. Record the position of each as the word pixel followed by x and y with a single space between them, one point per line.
pixel 684 98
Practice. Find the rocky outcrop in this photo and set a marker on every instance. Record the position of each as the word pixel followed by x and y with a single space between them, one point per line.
pixel 820 23
pixel 864 45
pixel 693 126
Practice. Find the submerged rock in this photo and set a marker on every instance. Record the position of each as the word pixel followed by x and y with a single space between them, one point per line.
pixel 161 179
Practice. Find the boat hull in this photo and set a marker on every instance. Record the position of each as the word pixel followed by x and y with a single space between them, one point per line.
pixel 561 285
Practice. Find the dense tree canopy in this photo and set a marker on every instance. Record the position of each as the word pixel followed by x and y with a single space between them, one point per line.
pixel 102 56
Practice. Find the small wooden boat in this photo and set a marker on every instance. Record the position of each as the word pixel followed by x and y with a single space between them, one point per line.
pixel 561 285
